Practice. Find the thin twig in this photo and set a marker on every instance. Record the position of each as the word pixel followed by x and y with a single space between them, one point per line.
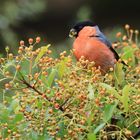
pixel 40 93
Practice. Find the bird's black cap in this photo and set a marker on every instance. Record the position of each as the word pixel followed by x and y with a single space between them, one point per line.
pixel 79 26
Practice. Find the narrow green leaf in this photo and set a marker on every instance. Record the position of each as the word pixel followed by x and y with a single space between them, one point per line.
pixel 111 90
pixel 125 97
pixel 91 92
pixel 44 80
pixel 33 135
pixel 18 118
pixel 61 67
pixel 4 114
pixel 51 77
pixel 108 111
pixel 91 136
pixel 14 105
pixel 89 119
pixel 98 128
pixel 62 130
pixel 119 73
pixel 39 104
pixel 41 53
pixel 129 53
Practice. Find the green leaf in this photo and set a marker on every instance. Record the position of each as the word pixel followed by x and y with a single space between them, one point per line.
pixel 51 77
pixel 119 73
pixel 129 53
pixel 9 66
pixel 108 111
pixel 17 109
pixel 89 119
pixel 62 130
pixel 4 114
pixel 110 90
pixel 44 80
pixel 91 136
pixel 14 105
pixel 91 92
pixel 62 67
pixel 41 53
pixel 98 128
pixel 33 135
pixel 39 104
pixel 125 96
pixel 18 118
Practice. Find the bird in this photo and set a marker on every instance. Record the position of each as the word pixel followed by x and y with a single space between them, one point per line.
pixel 91 43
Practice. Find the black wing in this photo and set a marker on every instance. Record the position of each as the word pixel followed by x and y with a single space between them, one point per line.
pixel 115 53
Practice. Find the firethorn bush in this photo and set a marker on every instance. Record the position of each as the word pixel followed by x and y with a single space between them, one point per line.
pixel 46 98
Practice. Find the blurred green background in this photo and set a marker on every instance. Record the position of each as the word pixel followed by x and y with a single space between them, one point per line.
pixel 52 19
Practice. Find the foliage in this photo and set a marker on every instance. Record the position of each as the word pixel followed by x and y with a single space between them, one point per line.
pixel 57 98
pixel 13 13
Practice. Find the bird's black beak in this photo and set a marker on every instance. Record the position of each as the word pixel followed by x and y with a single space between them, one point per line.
pixel 72 33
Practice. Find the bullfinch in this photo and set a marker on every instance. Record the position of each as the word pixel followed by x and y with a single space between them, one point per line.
pixel 91 43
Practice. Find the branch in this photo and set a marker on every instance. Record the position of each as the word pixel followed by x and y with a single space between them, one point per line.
pixel 40 93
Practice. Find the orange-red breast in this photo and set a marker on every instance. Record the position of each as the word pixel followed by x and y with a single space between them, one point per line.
pixel 91 43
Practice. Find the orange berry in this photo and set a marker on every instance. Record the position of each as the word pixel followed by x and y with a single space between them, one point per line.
pixel 48 91
pixel 127 26
pixel 17 135
pixel 30 40
pixel 9 131
pixel 18 67
pixel 128 133
pixel 45 73
pixel 50 111
pixel 49 51
pixel 136 32
pixel 82 122
pixel 44 95
pixel 17 58
pixel 131 31
pixel 14 133
pixel 119 34
pixel 21 43
pixel 5 125
pixel 7 86
pixel 7 73
pixel 38 39
pixel 111 69
pixel 102 92
pixel 124 38
pixel 70 132
pixel 21 48
pixel 36 75
pixel 56 105
pixel 97 101
pixel 138 101
pixel 10 56
pixel 19 51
